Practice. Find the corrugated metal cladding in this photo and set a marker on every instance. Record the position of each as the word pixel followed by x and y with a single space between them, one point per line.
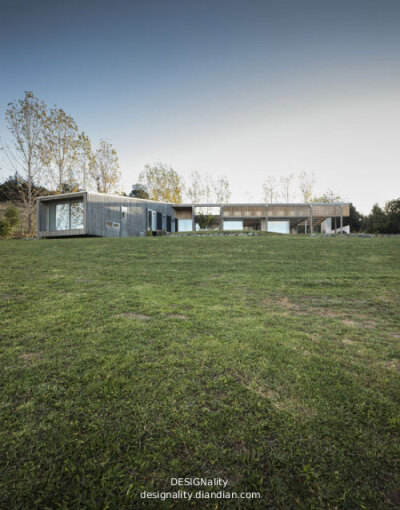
pixel 105 215
pixel 130 216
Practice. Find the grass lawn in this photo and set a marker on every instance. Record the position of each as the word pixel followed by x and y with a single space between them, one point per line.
pixel 272 362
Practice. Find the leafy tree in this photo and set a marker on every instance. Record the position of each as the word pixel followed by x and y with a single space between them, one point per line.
pixel 162 183
pixel 105 169
pixel 329 197
pixel 15 187
pixel 392 211
pixel 354 219
pixel 59 152
pixel 25 120
pixel 69 187
pixel 139 191
pixel 376 221
pixel 205 220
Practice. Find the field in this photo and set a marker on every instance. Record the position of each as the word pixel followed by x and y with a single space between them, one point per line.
pixel 272 362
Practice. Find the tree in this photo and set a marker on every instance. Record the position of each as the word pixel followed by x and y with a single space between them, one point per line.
pixel 286 184
pixel 162 183
pixel 15 187
pixel 25 119
pixel 222 190
pixel 84 162
pixel 270 189
pixel 105 169
pixel 392 211
pixel 59 153
pixel 306 185
pixel 198 189
pixel 376 220
pixel 329 197
pixel 205 220
pixel 354 220
pixel 139 191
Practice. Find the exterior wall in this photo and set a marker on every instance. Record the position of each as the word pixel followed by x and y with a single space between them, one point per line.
pixel 116 216
pixel 104 215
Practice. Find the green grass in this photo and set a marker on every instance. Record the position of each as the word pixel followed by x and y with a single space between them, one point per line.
pixel 270 361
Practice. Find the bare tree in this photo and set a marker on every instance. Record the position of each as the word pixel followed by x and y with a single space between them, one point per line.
pixel 306 185
pixel 270 189
pixel 84 162
pixel 59 153
pixel 196 189
pixel 25 119
pixel 105 169
pixel 203 188
pixel 222 189
pixel 162 182
pixel 286 184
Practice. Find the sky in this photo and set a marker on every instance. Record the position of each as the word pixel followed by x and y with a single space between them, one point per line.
pixel 248 88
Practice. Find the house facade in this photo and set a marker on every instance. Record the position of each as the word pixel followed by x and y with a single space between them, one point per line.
pixel 104 215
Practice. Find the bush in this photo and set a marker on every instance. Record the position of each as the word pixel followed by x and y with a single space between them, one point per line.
pixel 11 216
pixel 5 228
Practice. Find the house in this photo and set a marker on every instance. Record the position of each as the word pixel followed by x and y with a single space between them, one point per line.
pixel 101 215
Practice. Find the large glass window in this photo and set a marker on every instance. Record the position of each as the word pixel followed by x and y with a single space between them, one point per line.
pixel 185 225
pixel 66 215
pixel 76 215
pixel 233 225
pixel 280 227
pixel 62 216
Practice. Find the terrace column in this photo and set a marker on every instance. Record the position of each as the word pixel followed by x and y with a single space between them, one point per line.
pixel 193 219
pixel 266 218
pixel 311 227
pixel 341 219
pixel 221 223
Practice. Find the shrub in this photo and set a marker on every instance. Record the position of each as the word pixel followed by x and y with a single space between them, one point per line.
pixel 11 216
pixel 5 228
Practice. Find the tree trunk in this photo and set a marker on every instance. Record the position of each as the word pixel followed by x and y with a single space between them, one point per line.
pixel 29 199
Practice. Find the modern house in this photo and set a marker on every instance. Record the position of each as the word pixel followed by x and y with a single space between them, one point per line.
pixel 101 215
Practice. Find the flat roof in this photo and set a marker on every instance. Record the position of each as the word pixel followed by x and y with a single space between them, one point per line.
pixel 262 204
pixel 189 205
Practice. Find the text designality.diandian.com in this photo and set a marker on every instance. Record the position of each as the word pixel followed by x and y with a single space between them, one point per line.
pixel 197 488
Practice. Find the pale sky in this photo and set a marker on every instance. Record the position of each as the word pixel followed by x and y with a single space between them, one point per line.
pixel 246 89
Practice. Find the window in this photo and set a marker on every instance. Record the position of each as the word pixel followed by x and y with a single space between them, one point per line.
pixel 76 215
pixel 152 221
pixel 66 215
pixel 185 225
pixel 62 216
pixel 233 225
